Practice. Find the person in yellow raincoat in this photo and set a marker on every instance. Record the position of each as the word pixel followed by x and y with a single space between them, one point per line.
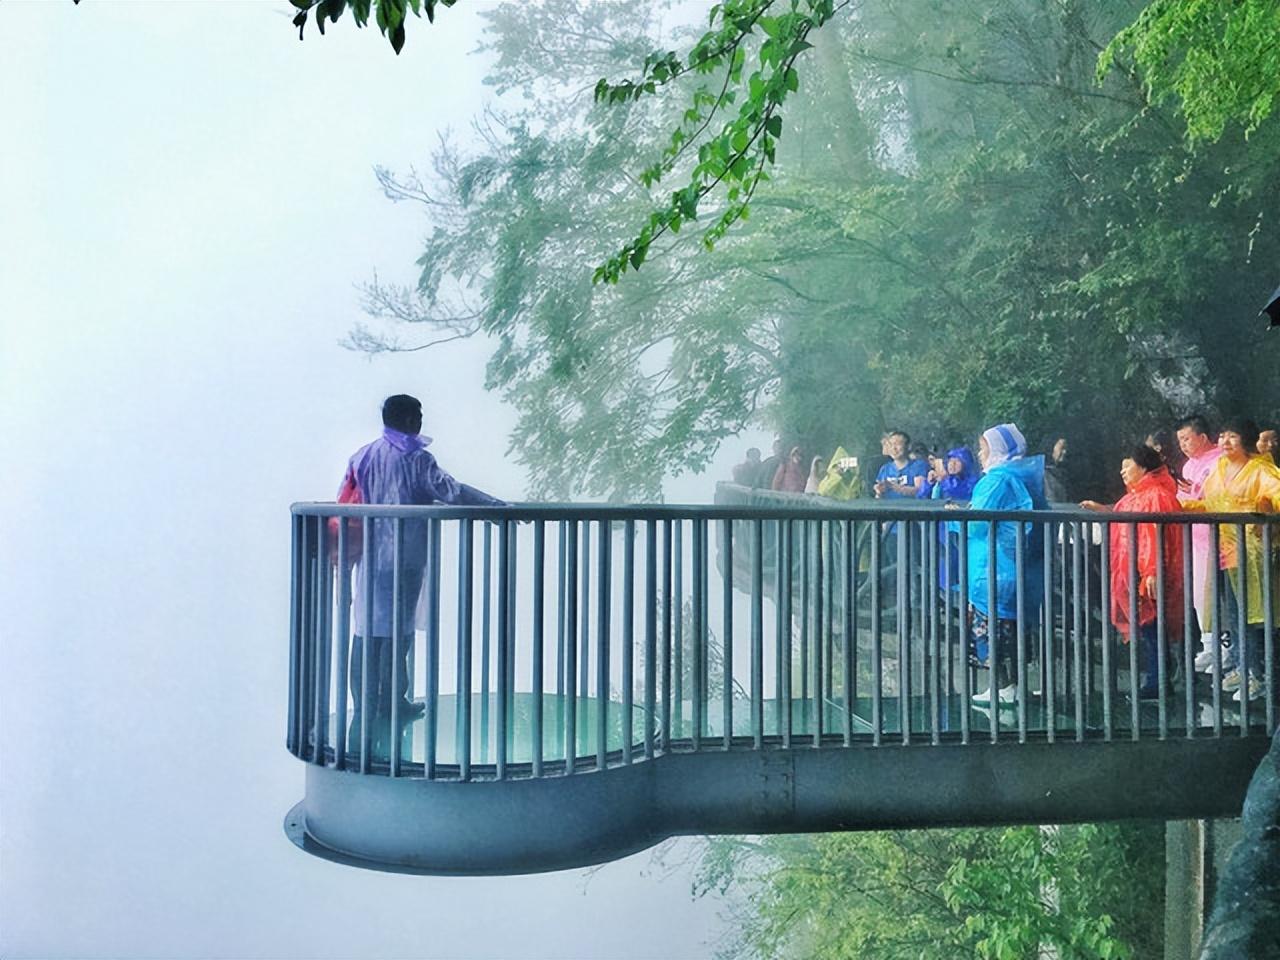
pixel 843 480
pixel 1243 481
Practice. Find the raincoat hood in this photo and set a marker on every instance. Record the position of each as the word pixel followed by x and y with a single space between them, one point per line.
pixel 1005 442
pixel 841 483
pixel 960 486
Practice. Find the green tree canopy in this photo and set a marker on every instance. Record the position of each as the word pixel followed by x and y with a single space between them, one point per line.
pixel 963 227
pixel 1084 892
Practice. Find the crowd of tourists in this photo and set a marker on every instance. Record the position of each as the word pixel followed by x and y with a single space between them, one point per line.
pixel 1188 468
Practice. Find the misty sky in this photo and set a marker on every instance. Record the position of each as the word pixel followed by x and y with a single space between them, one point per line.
pixel 186 204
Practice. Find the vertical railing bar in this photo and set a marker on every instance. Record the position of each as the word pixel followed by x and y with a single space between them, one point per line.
pixel 788 540
pixel 964 628
pixel 1242 622
pixel 757 633
pixel 678 641
pixel 628 634
pixel 667 587
pixel 571 650
pixel 397 627
pixel 604 582
pixel 295 632
pixel 512 641
pixel 324 649
pixel 504 624
pixel 850 628
pixel 904 629
pixel 727 643
pixel 306 706
pixel 778 626
pixel 466 597
pixel 993 631
pixel 1049 692
pixel 933 661
pixel 1162 648
pixel 806 611
pixel 1066 646
pixel 1268 641
pixel 1077 626
pixel 561 603
pixel 343 635
pixel 1215 604
pixel 828 689
pixel 536 668
pixel 650 634
pixel 1188 640
pixel 877 641
pixel 1108 673
pixel 821 575
pixel 947 573
pixel 313 659
pixel 1020 614
pixel 367 572
pixel 584 640
pixel 431 716
pixel 1131 530
pixel 704 660
pixel 486 617
pixel 699 635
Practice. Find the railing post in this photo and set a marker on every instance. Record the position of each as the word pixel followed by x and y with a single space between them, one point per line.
pixel 757 633
pixel 571 650
pixel 369 576
pixel 486 617
pixel 504 625
pixel 699 635
pixel 1108 672
pixel 1135 631
pixel 466 591
pixel 877 640
pixel 904 630
pixel 850 627
pixel 536 668
pixel 343 635
pixel 295 634
pixel 604 577
pixel 650 635
pixel 628 634
pixel 667 610
pixel 1188 638
pixel 727 645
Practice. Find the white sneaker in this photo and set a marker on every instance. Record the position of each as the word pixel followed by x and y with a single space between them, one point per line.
pixel 1005 694
pixel 1204 661
pixel 1255 690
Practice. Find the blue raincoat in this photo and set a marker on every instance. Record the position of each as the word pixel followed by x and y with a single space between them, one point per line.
pixel 1016 484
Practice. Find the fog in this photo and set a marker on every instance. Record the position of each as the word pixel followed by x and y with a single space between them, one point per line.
pixel 186 204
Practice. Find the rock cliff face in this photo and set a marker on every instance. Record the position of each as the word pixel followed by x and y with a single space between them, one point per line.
pixel 1245 922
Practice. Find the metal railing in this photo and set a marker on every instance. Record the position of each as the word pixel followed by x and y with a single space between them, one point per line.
pixel 541 640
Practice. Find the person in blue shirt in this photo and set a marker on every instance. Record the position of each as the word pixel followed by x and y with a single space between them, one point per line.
pixel 901 476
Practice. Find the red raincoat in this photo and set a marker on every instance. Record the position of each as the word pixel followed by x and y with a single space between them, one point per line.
pixel 1156 492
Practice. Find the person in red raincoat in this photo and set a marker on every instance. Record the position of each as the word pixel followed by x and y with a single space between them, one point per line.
pixel 1150 489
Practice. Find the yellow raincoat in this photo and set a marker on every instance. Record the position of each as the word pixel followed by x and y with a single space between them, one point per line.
pixel 1258 480
pixel 840 484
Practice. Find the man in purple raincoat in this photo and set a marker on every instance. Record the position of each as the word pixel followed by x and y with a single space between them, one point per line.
pixel 395 468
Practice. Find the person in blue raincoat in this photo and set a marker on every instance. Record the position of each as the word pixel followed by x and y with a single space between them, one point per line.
pixel 955 486
pixel 1011 481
